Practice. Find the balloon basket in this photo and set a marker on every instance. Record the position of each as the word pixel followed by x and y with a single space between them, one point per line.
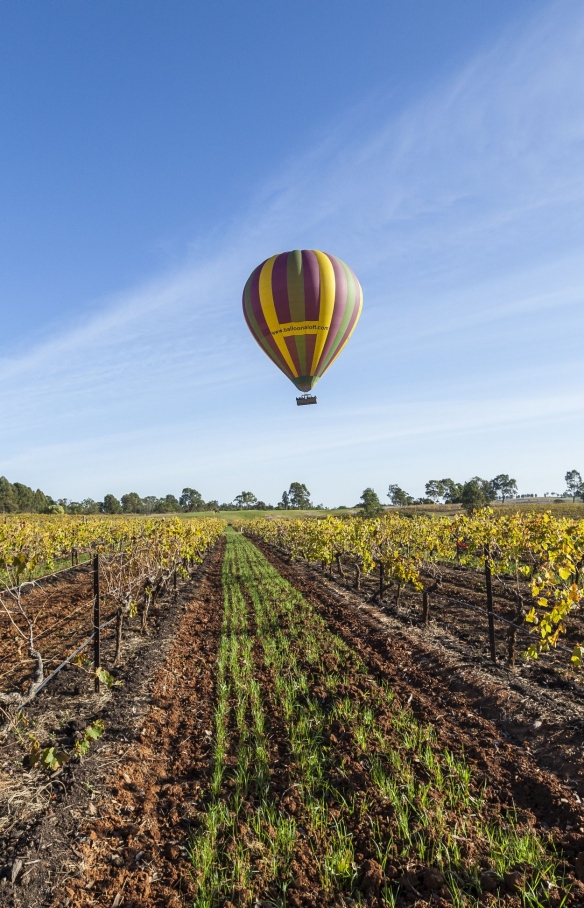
pixel 305 399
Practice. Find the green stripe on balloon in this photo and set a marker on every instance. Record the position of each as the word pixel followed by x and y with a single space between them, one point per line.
pixel 301 347
pixel 295 281
pixel 349 310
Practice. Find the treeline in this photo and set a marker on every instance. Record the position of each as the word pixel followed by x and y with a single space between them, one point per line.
pixel 16 497
pixel 474 494
pixel 132 503
pixel 190 500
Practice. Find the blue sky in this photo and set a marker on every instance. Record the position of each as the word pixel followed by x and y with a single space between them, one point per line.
pixel 152 154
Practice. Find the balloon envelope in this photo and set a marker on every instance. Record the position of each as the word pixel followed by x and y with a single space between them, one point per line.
pixel 302 307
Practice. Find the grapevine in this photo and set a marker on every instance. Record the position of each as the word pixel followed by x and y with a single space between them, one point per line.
pixel 138 559
pixel 539 549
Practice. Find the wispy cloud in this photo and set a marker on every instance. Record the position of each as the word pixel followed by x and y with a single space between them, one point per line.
pixel 462 217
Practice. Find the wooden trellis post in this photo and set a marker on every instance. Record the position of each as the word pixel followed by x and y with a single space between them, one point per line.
pixel 96 623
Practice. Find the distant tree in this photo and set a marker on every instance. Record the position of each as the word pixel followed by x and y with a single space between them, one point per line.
pixel 149 504
pixel 25 497
pixel 473 496
pixel 487 487
pixel 398 497
pixel 8 496
pixel 245 500
pixel 80 507
pixel 191 500
pixel 370 503
pixel 167 505
pixel 17 497
pixel 55 509
pixel 452 491
pixel 132 503
pixel 212 506
pixel 435 489
pixel 110 505
pixel 41 501
pixel 299 496
pixel 285 501
pixel 573 483
pixel 89 506
pixel 503 486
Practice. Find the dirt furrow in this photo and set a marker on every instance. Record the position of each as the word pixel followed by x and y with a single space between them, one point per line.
pixel 134 849
pixel 420 673
pixel 116 821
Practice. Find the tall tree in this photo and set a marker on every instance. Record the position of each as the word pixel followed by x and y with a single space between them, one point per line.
pixel 89 506
pixel 285 501
pixel 474 495
pixel 573 483
pixel 167 505
pixel 452 491
pixel 435 489
pixel 110 505
pixel 503 486
pixel 372 506
pixel 8 496
pixel 398 497
pixel 149 503
pixel 245 500
pixel 191 500
pixel 132 503
pixel 299 496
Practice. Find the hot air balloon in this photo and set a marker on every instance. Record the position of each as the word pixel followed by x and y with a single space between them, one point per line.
pixel 302 308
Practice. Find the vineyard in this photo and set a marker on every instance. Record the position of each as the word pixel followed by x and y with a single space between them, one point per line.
pixel 269 715
pixel 535 560
pixel 133 563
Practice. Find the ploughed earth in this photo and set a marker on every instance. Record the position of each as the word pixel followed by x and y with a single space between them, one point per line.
pixel 280 740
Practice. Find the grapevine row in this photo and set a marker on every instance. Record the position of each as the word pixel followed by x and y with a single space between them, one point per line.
pixel 540 550
pixel 137 560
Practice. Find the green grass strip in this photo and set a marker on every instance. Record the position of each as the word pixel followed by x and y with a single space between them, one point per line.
pixel 435 806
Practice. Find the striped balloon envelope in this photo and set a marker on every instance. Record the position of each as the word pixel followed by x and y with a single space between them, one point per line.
pixel 302 308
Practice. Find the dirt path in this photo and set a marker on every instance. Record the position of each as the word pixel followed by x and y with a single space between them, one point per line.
pixel 60 827
pixel 134 848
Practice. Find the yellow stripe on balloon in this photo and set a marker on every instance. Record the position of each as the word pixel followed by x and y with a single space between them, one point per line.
pixel 327 304
pixel 346 341
pixel 269 310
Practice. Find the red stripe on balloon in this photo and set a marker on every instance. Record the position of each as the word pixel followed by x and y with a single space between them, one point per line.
pixel 280 289
pixel 310 345
pixel 254 295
